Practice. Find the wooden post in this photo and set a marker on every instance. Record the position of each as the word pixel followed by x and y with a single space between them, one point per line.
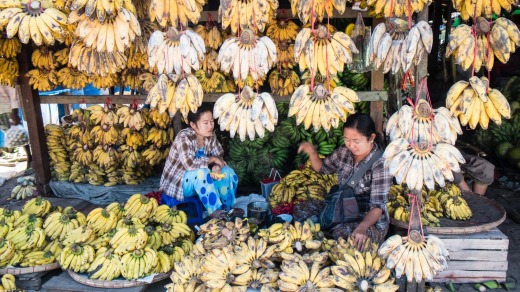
pixel 30 102
pixel 377 82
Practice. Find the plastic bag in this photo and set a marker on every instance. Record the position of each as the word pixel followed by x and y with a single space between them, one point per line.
pixel 16 136
pixel 267 184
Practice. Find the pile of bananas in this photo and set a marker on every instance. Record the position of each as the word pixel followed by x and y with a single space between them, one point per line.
pixel 10 47
pixel 241 15
pixel 475 103
pixel 503 39
pixel 220 233
pixel 175 13
pixel 8 283
pixel 8 71
pixel 415 256
pixel 24 189
pixel 38 21
pixel 397 48
pixel 302 185
pixel 484 8
pixel 391 9
pixel 44 77
pixel 308 9
pixel 248 114
pixel 321 107
pixel 56 144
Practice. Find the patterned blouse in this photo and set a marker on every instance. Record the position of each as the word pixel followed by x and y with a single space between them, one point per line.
pixel 182 157
pixel 376 181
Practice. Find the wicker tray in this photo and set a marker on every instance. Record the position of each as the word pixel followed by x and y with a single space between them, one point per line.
pixel 83 279
pixel 487 214
pixel 29 270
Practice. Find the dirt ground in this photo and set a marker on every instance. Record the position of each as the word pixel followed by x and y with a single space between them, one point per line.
pixel 509 199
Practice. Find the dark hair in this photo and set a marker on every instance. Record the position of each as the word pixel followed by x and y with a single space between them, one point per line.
pixel 364 124
pixel 195 117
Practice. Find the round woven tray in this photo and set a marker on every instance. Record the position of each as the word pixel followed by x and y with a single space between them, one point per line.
pixel 29 270
pixel 487 214
pixel 116 283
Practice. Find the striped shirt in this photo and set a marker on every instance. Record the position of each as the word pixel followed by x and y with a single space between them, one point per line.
pixel 376 181
pixel 182 157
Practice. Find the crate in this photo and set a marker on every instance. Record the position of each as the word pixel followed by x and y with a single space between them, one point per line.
pixel 475 257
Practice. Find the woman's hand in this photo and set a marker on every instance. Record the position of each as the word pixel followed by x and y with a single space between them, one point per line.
pixel 217 160
pixel 307 148
pixel 359 235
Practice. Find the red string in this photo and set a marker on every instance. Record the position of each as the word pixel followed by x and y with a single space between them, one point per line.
pixel 211 23
pixel 391 8
pixel 474 33
pixel 254 55
pixel 239 59
pixel 409 15
pixel 327 51
pixel 415 207
pixel 313 32
pixel 488 48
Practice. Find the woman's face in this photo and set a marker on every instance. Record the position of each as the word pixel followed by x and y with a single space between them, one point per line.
pixel 356 142
pixel 205 125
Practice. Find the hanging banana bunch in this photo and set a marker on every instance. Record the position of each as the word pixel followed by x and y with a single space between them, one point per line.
pixel 420 163
pixel 396 48
pixel 33 20
pixel 10 47
pixel 247 113
pixel 130 117
pixel 211 34
pixel 333 80
pixel 283 81
pixel 72 78
pixel 91 61
pixel 397 8
pixel 175 13
pixel 61 56
pixel 104 82
pixel 471 9
pixel 176 51
pixel 474 103
pixel 147 29
pixel 305 9
pixel 101 10
pixel 43 58
pixel 101 115
pixel 212 81
pixel 282 30
pixel 8 71
pixel 285 51
pixel 247 54
pixel 422 123
pixel 321 108
pixel 246 14
pixel 43 79
pixel 323 51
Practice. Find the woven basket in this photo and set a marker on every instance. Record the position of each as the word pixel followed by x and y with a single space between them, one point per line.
pixel 29 270
pixel 487 214
pixel 83 279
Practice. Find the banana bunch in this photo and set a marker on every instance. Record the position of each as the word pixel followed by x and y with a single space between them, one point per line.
pixel 130 117
pixel 185 275
pixel 36 20
pixel 137 59
pixel 164 264
pixel 8 71
pixel 340 247
pixel 104 134
pixel 37 258
pixel 417 259
pixel 100 10
pixel 56 145
pixel 420 122
pixel 133 139
pixel 92 61
pixel 154 240
pixel 282 30
pixel 320 107
pixel 100 115
pixel 399 206
pixel 298 276
pixel 455 207
pixel 285 51
pixel 54 247
pixel 105 157
pixel 72 78
pixel 43 58
pixel 128 239
pixel 421 163
pixel 175 253
pixel 248 113
pixel 26 237
pixel 103 82
pixel 396 48
pixel 7 252
pixel 24 189
pixel 61 56
pixel 219 233
pixel 279 235
pixel 160 137
pixel 77 257
pixel 28 219
pixel 164 214
pixel 10 47
pixel 397 8
pixel 101 220
pixel 219 269
pixel 172 232
pixel 214 82
pixel 247 55
pixel 486 8
pixel 210 62
pixel 283 82
pixel 9 216
pixel 211 34
pixel 58 225
pixel 106 265
pixel 477 103
pixel 118 208
pixel 255 253
pixel 82 157
pixel 37 206
pixel 301 237
pixel 141 207
pixel 81 235
pixel 323 51
pixel 43 79
pixel 8 283
pixel 308 10
pixel 154 156
pixel 127 222
pixel 243 15
pixel 175 13
pixel 316 257
pixel 176 51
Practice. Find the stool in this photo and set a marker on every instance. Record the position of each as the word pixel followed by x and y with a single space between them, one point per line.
pixel 192 206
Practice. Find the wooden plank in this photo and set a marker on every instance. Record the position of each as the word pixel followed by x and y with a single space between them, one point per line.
pixel 349 13
pixel 469 276
pixel 377 82
pixel 376 95
pixel 494 233
pixel 469 244
pixel 30 101
pixel 479 255
pixel 477 266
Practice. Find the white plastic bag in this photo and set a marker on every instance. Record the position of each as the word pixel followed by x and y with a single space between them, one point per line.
pixel 16 136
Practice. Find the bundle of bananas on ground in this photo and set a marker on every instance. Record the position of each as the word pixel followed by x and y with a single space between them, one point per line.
pixel 26 237
pixel 256 253
pixel 211 34
pixel 396 8
pixel 8 216
pixel 24 189
pixel 185 275
pixel 72 78
pixel 219 233
pixel 420 122
pixel 37 258
pixel 58 224
pixel 297 276
pixel 106 265
pixel 241 15
pixel 77 257
pixel 57 151
pixel 36 20
pixel 10 47
pixel 8 283
pixel 248 113
pixel 164 214
pixel 128 239
pixel 38 206
pixel 9 256
pixel 176 51
pixel 455 207
pixel 422 163
pixel 475 103
pixel 101 220
pixel 322 51
pixel 82 235
pixel 54 247
pixel 247 55
pixel 141 207
pixel 396 47
pixel 8 71
pixel 220 269
pixel 320 107
pixel 92 61
pixel 415 256
pixel 173 232
pixel 138 263
pixel 175 13
pixel 486 8
pixel 301 236
pixel 307 10
pixel 28 219
pixel 282 30
pixel 283 82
